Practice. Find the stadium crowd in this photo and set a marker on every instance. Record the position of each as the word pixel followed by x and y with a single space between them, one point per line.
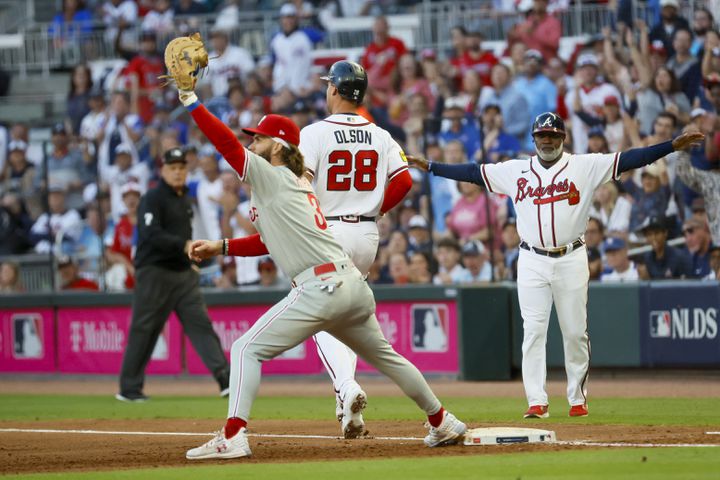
pixel 638 83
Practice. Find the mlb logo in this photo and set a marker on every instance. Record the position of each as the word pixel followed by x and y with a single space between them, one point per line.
pixel 27 335
pixel 430 328
pixel 660 326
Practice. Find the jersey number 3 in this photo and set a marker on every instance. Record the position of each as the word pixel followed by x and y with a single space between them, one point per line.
pixel 319 217
pixel 342 175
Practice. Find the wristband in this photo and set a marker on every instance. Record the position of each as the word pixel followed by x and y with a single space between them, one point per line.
pixel 225 246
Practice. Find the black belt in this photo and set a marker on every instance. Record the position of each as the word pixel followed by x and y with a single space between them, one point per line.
pixel 351 218
pixel 552 253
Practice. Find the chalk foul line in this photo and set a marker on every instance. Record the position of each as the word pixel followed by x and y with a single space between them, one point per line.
pixel 584 443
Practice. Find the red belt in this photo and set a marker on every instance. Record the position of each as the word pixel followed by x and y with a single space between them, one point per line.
pixel 324 268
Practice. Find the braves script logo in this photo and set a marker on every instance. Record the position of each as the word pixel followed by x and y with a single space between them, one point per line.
pixel 555 192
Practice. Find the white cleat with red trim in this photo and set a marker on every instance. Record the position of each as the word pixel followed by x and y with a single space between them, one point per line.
pixel 221 447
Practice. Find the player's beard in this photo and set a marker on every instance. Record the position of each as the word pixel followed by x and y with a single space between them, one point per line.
pixel 549 156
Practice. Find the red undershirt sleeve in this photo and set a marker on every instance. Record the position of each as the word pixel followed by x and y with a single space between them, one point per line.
pixel 221 137
pixel 251 246
pixel 396 190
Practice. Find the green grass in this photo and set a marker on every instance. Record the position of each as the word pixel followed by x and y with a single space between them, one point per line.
pixel 666 463
pixel 636 411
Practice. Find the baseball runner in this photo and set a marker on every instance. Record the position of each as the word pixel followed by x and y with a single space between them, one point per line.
pixel 350 161
pixel 329 293
pixel 552 193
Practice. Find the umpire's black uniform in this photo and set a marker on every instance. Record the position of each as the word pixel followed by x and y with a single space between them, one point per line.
pixel 165 281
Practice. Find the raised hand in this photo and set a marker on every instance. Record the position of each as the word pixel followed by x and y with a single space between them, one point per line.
pixel 203 249
pixel 418 162
pixel 687 140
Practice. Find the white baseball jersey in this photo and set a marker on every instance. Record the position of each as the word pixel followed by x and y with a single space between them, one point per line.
pixel 552 204
pixel 286 213
pixel 591 101
pixel 352 160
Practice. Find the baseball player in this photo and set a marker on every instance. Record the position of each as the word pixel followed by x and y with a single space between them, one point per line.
pixel 329 293
pixel 350 161
pixel 552 193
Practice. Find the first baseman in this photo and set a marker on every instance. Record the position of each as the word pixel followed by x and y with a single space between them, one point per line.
pixel 329 293
pixel 552 193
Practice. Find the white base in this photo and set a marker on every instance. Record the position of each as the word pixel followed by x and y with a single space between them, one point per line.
pixel 503 435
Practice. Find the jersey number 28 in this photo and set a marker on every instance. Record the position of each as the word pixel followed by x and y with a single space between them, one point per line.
pixel 359 172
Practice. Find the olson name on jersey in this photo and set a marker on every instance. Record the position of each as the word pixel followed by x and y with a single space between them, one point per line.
pixel 352 136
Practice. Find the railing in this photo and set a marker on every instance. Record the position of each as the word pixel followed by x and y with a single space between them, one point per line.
pixel 15 13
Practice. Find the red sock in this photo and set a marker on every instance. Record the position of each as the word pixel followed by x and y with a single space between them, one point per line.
pixel 436 418
pixel 233 426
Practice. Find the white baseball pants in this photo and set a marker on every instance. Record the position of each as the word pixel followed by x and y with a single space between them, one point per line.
pixel 360 242
pixel 347 311
pixel 564 280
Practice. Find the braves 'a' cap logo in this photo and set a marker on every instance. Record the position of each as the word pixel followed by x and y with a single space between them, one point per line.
pixel 548 121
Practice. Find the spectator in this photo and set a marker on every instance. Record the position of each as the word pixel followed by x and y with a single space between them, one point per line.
pixel 209 190
pixel 540 92
pixel 468 217
pixel 10 278
pixel 66 168
pixel 70 278
pixel 292 52
pixel 714 263
pixel 497 144
pixel 594 233
pixel 457 125
pixel 511 251
pixel 229 15
pixel 122 126
pixel 162 122
pixel 19 174
pixel 420 269
pixel 555 70
pixel 697 243
pixel 15 225
pixel 621 268
pixel 160 18
pixel 60 225
pixel 419 238
pixel 477 267
pixel 670 22
pixel 302 114
pixel 540 31
pixel 588 95
pixel 143 73
pixel 448 256
pixel 118 14
pixel 21 131
pixel 94 121
pixel 398 243
pixel 597 143
pixel 120 174
pixel 399 269
pixel 663 261
pixel 703 22
pixel 444 191
pixel 71 23
pixel 228 275
pixel 120 253
pixel 189 7
pixel 476 59
pixel 90 246
pixel 686 67
pixel 407 80
pixel 230 63
pixel 414 125
pixel 594 263
pixel 379 60
pixel 707 184
pixel 512 103
pixel 78 98
pixel 653 198
pixel 611 209
pixel 269 274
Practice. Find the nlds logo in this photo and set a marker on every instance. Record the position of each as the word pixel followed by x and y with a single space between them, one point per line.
pixel 684 323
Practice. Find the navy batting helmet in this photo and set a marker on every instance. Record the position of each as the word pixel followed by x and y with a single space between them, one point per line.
pixel 350 79
pixel 548 122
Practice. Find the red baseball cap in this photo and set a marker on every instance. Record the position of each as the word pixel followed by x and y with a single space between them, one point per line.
pixel 611 100
pixel 276 126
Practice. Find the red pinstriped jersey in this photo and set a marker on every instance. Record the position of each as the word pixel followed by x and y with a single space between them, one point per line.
pixel 351 160
pixel 552 204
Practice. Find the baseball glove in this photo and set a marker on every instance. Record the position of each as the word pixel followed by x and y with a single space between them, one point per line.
pixel 185 57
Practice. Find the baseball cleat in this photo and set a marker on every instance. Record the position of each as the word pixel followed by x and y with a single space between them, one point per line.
pixel 578 410
pixel 353 425
pixel 221 447
pixel 225 392
pixel 338 408
pixel 450 431
pixel 132 397
pixel 537 411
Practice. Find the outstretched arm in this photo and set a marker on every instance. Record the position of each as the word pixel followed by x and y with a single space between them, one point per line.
pixel 469 172
pixel 251 246
pixel 639 157
pixel 216 131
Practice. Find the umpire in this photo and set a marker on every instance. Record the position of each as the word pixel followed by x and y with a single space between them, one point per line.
pixel 165 281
